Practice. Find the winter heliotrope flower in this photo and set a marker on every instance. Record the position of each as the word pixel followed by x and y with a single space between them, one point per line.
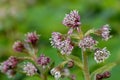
pixel 72 19
pixel 29 69
pixel 101 55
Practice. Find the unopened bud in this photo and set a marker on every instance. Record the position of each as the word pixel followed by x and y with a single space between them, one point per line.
pixel 106 74
pixel 32 37
pixel 99 77
pixel 72 77
pixel 70 64
pixel 18 46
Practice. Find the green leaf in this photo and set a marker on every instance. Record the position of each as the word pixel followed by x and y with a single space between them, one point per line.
pixel 32 78
pixel 89 32
pixel 75 36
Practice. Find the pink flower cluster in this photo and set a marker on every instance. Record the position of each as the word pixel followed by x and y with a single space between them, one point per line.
pixel 63 45
pixel 32 38
pixel 29 69
pixel 18 46
pixel 56 39
pixel 87 42
pixel 72 19
pixel 101 54
pixel 105 32
pixel 9 65
pixel 43 60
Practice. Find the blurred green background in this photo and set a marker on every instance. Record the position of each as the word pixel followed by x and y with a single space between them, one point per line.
pixel 17 17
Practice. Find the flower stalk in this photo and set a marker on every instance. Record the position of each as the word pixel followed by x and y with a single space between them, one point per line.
pixel 86 67
pixel 43 76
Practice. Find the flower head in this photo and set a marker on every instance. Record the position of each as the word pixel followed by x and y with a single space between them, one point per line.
pixel 56 72
pixel 8 66
pixel 65 72
pixel 87 42
pixel 32 37
pixel 29 69
pixel 105 32
pixel 43 60
pixel 10 73
pixel 72 19
pixel 56 39
pixel 18 46
pixel 101 54
pixel 63 45
pixel 66 47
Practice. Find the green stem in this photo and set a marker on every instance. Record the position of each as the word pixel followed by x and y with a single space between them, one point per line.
pixel 86 68
pixel 44 77
pixel 90 32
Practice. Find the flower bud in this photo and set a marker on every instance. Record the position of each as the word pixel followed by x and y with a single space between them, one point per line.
pixel 70 64
pixel 72 77
pixel 99 77
pixel 106 74
pixel 104 32
pixel 18 46
pixel 65 72
pixel 32 38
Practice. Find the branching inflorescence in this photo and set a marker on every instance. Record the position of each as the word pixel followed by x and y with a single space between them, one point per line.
pixel 65 44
